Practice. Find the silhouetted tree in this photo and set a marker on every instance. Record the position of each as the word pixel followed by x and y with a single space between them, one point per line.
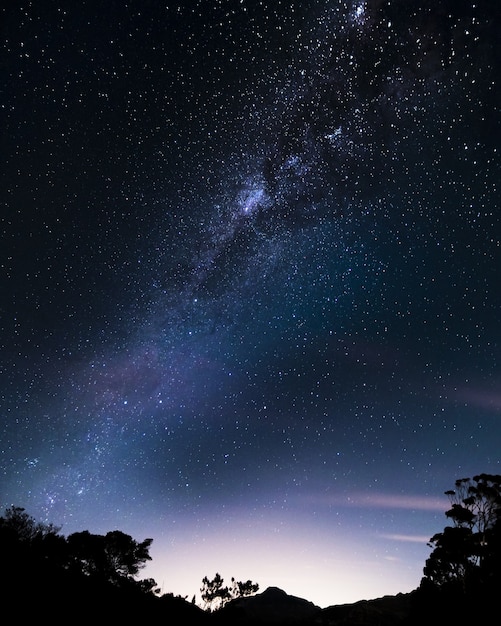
pixel 114 557
pixel 87 555
pixel 215 595
pixel 28 544
pixel 467 555
pixel 126 556
pixel 241 589
pixel 24 527
pixel 43 569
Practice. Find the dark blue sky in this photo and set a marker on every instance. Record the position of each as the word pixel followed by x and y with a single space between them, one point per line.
pixel 250 259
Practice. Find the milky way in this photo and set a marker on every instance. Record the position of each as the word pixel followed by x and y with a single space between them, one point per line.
pixel 250 266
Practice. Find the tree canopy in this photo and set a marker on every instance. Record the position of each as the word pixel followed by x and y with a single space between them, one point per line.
pixel 215 594
pixel 115 558
pixel 467 555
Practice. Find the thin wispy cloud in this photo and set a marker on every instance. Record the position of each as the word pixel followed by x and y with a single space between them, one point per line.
pixel 396 501
pixel 380 501
pixel 483 398
pixel 407 538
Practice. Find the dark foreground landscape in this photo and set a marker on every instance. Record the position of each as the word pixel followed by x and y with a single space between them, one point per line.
pixel 273 607
pixel 86 577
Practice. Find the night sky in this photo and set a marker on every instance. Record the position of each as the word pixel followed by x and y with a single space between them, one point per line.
pixel 250 298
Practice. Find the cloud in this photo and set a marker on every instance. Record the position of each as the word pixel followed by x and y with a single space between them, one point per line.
pixel 483 398
pixel 393 501
pixel 380 501
pixel 407 538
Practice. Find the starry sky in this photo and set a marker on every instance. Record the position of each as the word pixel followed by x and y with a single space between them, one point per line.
pixel 250 257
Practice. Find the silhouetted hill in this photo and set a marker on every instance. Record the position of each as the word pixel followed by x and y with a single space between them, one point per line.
pixel 386 611
pixel 273 606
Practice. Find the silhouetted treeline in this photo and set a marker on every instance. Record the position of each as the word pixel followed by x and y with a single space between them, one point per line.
pixel 86 576
pixel 82 576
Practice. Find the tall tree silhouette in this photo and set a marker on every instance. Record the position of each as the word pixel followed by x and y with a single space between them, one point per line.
pixel 467 555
